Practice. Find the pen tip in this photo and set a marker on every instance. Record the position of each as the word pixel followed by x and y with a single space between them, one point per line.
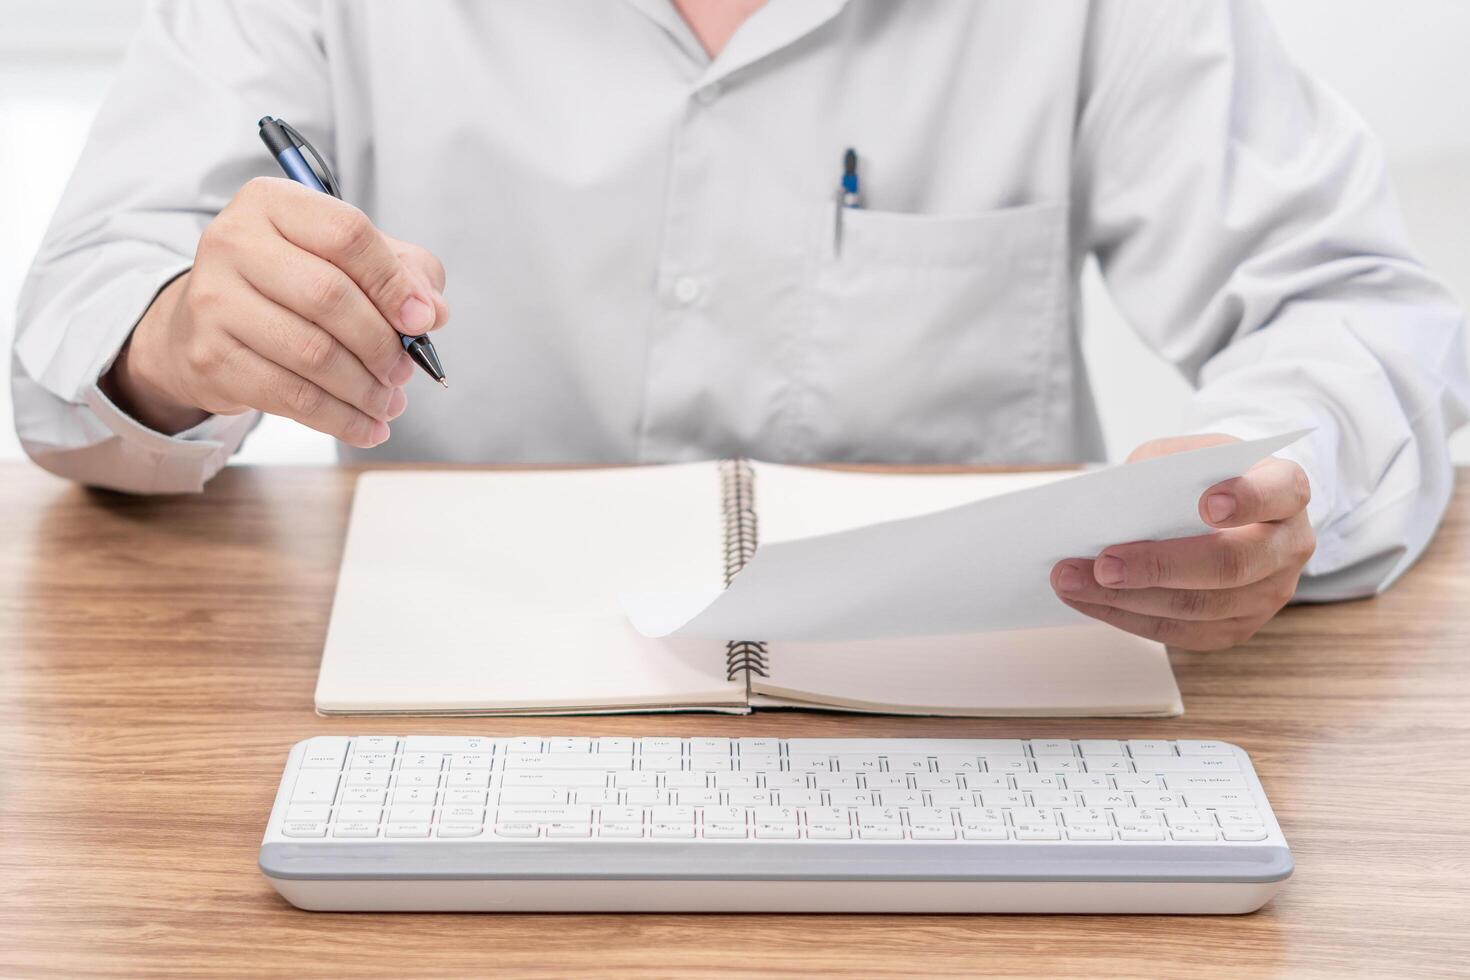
pixel 444 382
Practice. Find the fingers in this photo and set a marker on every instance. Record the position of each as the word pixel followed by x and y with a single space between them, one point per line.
pixel 1169 445
pixel 307 350
pixel 1272 490
pixel 1073 581
pixel 1217 635
pixel 253 381
pixel 318 291
pixel 345 237
pixel 1222 560
pixel 430 270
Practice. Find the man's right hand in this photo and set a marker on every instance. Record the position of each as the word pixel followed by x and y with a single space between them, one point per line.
pixel 291 308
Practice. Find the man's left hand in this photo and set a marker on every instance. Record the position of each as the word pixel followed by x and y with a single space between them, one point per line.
pixel 1212 591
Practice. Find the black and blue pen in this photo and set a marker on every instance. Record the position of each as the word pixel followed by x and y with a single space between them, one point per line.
pixel 286 145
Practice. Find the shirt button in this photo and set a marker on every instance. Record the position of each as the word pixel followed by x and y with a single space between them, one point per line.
pixel 708 94
pixel 686 289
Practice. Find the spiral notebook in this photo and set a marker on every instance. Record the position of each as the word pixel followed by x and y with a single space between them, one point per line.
pixel 515 602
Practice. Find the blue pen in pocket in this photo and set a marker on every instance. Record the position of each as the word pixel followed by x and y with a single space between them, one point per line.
pixel 849 194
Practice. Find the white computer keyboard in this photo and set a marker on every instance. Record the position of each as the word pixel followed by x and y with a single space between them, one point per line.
pixel 437 822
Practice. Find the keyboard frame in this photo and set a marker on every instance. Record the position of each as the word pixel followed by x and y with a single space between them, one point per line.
pixel 806 875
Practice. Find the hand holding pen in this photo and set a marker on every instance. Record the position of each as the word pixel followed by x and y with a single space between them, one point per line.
pixel 294 306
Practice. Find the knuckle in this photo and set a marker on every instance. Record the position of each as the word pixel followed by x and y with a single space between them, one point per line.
pixel 357 431
pixel 1231 563
pixel 385 350
pixel 327 292
pixel 301 397
pixel 256 188
pixel 1301 487
pixel 375 401
pixel 349 232
pixel 1158 568
pixel 319 352
pixel 1188 603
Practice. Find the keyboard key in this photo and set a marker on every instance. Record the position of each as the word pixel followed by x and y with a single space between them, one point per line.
pixel 948 798
pixel 1090 747
pixel 471 760
pixel 751 762
pixel 661 762
pixel 569 830
pixel 1203 780
pixel 1079 781
pixel 520 813
pixel 570 745
pixel 646 797
pixel 416 795
pixel 517 829
pixel 777 831
pixel 727 780
pixel 929 815
pixel 1138 747
pixel 533 794
pixel 1193 747
pixel 364 794
pixel 525 745
pixel 749 797
pixel 799 797
pixel 308 812
pixel 851 797
pixel 615 746
pixel 459 830
pixel 1141 833
pixel 465 797
pixel 620 830
pixel 686 780
pixel 1090 832
pixel 422 760
pixel 672 814
pixel 596 797
pixel 1239 817
pixel 1104 799
pixel 1053 798
pixel 1188 817
pixel 462 814
pixel 721 814
pixel 1158 798
pixel 304 828
pixel 1244 833
pixel 410 814
pixel 355 829
pixel 932 832
pixel 1130 781
pixel 376 743
pixel 360 814
pixel 419 777
pixel 719 830
pixel 1055 747
pixel 810 763
pixel 1112 764
pixel 448 743
pixel 1193 833
pixel 705 762
pixel 775 814
pixel 406 829
pixel 785 780
pixel 375 778
pixel 564 778
pixel 661 746
pixel 1197 763
pixel 862 763
pixel 582 763
pixel 1219 797
pixel 884 831
pixel 1031 815
pixel 835 780
pixel 371 760
pixel 315 786
pixel 984 831
pixel 636 780
pixel 829 831
pixel 1038 831
pixel 325 753
pixel 943 780
pixel 1085 816
pixel 672 829
pixel 712 746
pixel 1002 798
pixel 874 815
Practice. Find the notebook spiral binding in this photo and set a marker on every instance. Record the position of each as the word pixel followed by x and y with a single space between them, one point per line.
pixel 737 495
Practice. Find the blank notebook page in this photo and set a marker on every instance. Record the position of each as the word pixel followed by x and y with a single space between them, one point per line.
pixel 475 591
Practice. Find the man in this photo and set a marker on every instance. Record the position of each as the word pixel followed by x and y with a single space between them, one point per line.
pixel 637 202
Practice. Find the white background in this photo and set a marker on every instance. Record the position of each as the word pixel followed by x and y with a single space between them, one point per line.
pixel 1402 64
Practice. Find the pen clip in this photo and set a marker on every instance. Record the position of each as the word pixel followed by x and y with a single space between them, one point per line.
pixel 329 179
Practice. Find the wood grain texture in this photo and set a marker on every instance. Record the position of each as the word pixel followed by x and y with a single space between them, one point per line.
pixel 157 658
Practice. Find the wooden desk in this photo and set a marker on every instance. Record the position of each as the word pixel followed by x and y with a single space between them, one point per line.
pixel 157 658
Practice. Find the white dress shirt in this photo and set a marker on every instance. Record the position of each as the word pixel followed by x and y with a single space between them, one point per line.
pixel 643 245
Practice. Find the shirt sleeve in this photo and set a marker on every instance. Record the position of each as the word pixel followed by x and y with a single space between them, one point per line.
pixel 1242 219
pixel 172 143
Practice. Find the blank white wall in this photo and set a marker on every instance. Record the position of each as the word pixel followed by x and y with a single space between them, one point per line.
pixel 1401 64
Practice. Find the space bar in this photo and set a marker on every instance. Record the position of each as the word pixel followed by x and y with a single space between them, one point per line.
pixel 607 762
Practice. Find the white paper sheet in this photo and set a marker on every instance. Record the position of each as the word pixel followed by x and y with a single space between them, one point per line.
pixel 981 566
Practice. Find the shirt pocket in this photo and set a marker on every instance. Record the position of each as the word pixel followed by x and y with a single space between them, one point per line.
pixel 932 337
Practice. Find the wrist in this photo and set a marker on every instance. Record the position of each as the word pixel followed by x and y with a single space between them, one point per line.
pixel 133 382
